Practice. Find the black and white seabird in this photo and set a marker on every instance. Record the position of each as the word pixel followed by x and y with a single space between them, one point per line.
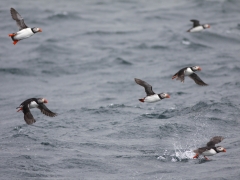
pixel 189 71
pixel 24 31
pixel 34 103
pixel 151 96
pixel 197 27
pixel 210 149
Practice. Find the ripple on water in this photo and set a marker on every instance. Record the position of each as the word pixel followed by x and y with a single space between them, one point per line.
pixel 168 129
pixel 59 16
pixel 17 71
pixel 122 61
pixel 110 32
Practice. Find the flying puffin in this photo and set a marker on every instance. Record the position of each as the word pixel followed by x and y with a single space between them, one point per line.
pixel 151 96
pixel 197 27
pixel 34 103
pixel 210 149
pixel 24 31
pixel 189 71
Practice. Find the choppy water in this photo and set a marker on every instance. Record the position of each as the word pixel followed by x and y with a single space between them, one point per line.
pixel 85 61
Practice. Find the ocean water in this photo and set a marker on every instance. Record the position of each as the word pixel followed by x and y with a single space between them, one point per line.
pixel 84 63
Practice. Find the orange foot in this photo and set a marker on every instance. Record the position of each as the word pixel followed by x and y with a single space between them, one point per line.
pixel 11 35
pixel 206 158
pixel 15 42
pixel 174 77
pixel 196 156
pixel 20 109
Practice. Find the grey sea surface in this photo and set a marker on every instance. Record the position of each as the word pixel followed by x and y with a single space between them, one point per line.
pixel 84 63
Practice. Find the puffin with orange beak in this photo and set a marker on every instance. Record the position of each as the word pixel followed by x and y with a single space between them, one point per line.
pixel 210 149
pixel 24 31
pixel 197 27
pixel 34 103
pixel 189 71
pixel 151 96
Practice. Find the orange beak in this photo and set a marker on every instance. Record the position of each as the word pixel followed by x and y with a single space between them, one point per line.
pixel 199 69
pixel 209 26
pixel 224 150
pixel 45 101
pixel 167 96
pixel 40 30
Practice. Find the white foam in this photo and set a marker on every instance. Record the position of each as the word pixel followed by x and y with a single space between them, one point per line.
pixel 189 154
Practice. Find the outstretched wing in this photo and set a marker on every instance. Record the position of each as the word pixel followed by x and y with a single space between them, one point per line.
pixel 46 111
pixel 28 117
pixel 201 150
pixel 18 18
pixel 214 140
pixel 148 87
pixel 195 22
pixel 197 79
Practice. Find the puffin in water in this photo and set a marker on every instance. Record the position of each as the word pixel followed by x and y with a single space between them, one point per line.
pixel 24 31
pixel 34 103
pixel 210 149
pixel 197 27
pixel 151 96
pixel 189 71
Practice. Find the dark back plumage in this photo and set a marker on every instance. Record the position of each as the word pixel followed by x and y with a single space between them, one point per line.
pixel 28 101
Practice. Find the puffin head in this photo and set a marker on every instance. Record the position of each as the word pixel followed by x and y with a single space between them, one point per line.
pixel 164 95
pixel 206 26
pixel 35 30
pixel 42 100
pixel 221 149
pixel 196 68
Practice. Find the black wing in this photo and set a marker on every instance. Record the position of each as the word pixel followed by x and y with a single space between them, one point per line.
pixel 46 111
pixel 201 150
pixel 180 74
pixel 197 79
pixel 195 23
pixel 28 117
pixel 148 87
pixel 18 18
pixel 214 140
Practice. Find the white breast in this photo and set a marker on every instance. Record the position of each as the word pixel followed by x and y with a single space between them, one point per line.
pixel 152 98
pixel 23 34
pixel 33 104
pixel 197 29
pixel 210 152
pixel 188 72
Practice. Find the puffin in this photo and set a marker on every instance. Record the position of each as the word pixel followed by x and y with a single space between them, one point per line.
pixel 151 96
pixel 189 71
pixel 28 104
pixel 197 27
pixel 24 31
pixel 210 148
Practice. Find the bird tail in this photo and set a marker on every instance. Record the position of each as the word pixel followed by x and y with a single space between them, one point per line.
pixel 141 100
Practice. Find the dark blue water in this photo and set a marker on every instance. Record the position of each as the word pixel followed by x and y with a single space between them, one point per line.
pixel 84 63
